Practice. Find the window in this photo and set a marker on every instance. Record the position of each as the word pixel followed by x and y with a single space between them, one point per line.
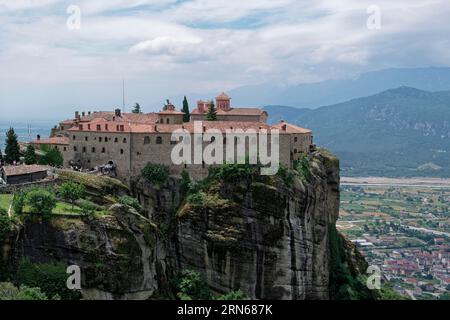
pixel 106 139
pixel 84 149
pixel 213 139
pixel 93 149
pixel 85 138
pixel 124 140
pixel 167 120
pixel 106 127
pixel 116 139
pixel 74 148
pixel 147 140
pixel 65 149
pixel 158 140
pixel 99 139
pixel 103 150
pixel 295 151
pixel 121 127
pixel 295 139
pixel 121 151
pixel 99 127
pixel 73 137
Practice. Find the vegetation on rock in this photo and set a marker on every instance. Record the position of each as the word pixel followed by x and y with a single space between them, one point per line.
pixel 155 173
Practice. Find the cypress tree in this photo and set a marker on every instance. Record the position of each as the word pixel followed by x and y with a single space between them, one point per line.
pixel 211 115
pixel 12 149
pixel 185 110
pixel 30 155
pixel 136 108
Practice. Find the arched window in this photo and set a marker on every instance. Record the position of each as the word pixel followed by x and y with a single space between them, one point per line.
pixel 147 140
pixel 103 150
pixel 121 151
pixel 213 138
pixel 116 139
pixel 158 140
pixel 124 140
pixel 167 121
pixel 93 149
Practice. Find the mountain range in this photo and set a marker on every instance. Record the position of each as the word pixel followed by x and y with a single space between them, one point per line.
pixel 398 132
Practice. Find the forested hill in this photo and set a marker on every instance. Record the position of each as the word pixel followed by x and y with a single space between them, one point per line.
pixel 398 132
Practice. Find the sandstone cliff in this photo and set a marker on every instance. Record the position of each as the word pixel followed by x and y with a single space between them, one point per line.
pixel 267 236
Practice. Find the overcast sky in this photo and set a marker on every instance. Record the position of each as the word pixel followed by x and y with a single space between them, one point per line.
pixel 166 47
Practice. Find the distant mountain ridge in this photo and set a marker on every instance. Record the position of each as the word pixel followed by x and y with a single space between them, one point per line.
pixel 313 95
pixel 398 132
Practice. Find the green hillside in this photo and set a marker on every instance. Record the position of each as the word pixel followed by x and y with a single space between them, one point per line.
pixel 399 132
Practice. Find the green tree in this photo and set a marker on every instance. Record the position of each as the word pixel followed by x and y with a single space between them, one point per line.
pixel 185 110
pixel 30 155
pixel 18 202
pixel 9 291
pixel 71 192
pixel 12 149
pixel 1 157
pixel 211 115
pixel 233 295
pixel 41 201
pixel 87 207
pixel 52 157
pixel 136 108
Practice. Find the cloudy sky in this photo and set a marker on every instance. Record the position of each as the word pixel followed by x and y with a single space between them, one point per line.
pixel 167 47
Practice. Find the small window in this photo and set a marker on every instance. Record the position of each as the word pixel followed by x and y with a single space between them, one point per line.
pixel 295 139
pixel 74 148
pixel 213 138
pixel 124 140
pixel 99 139
pixel 103 150
pixel 73 137
pixel 147 140
pixel 158 140
pixel 65 149
pixel 99 127
pixel 116 139
pixel 121 151
pixel 106 127
pixel 89 127
pixel 106 139
pixel 93 149
pixel 86 138
pixel 167 121
pixel 84 149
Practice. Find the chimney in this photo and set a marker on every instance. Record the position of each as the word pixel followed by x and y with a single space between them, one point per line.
pixel 83 114
pixel 38 137
pixel 117 112
pixel 77 115
pixel 89 113
pixel 283 127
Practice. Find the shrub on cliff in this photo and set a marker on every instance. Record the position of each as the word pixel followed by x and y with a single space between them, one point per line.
pixel 9 291
pixel 50 278
pixel 190 285
pixel 303 168
pixel 130 201
pixel 5 225
pixel 18 202
pixel 155 173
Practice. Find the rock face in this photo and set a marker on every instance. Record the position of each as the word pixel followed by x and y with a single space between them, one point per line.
pixel 263 235
pixel 270 240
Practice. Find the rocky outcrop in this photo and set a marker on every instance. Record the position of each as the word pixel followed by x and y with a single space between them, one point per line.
pixel 264 235
pixel 268 239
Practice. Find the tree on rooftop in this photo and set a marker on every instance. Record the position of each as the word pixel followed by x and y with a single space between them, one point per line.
pixel 12 149
pixel 30 155
pixel 185 110
pixel 211 115
pixel 136 108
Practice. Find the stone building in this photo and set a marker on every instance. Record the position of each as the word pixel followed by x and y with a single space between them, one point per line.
pixel 130 141
pixel 23 173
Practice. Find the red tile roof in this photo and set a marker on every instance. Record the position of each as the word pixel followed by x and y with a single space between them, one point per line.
pixel 53 141
pixel 290 128
pixel 235 112
pixel 23 169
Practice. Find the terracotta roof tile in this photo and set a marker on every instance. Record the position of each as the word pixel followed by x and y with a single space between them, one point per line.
pixel 290 128
pixel 23 169
pixel 52 140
